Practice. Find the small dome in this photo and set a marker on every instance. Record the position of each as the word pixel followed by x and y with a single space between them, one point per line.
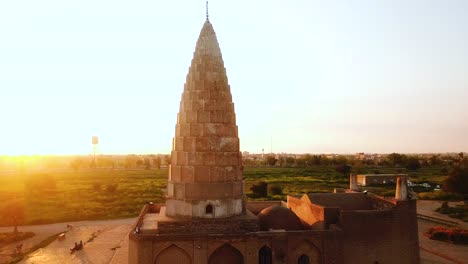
pixel 279 217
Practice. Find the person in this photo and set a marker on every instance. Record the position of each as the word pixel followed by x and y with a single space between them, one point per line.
pixel 19 247
pixel 73 249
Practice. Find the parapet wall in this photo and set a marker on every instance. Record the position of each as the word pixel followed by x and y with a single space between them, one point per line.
pixel 386 235
pixel 344 201
pixel 209 226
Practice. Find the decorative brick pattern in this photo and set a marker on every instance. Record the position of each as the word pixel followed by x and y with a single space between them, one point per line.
pixel 206 162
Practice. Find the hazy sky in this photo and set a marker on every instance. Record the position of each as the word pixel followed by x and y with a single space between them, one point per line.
pixel 313 76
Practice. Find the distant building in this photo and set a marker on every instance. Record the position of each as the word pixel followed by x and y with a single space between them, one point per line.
pixel 360 156
pixel 377 179
pixel 365 156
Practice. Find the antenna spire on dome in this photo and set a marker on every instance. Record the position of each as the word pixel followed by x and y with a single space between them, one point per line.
pixel 207 15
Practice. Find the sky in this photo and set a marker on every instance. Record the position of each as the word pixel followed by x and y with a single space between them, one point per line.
pixel 307 76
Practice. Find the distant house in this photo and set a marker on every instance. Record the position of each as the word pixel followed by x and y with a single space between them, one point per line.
pixel 377 179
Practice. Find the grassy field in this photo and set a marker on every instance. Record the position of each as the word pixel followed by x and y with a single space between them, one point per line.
pixel 82 195
pixel 68 195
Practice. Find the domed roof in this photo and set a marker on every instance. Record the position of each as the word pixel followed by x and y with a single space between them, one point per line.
pixel 279 217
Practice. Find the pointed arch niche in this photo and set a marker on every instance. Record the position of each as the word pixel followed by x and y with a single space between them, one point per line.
pixel 173 254
pixel 226 254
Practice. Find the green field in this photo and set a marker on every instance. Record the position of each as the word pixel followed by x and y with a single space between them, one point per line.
pixel 68 195
pixel 82 195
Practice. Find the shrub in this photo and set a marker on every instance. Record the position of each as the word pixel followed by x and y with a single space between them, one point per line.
pixel 97 186
pixel 40 182
pixel 276 189
pixel 14 213
pixel 413 164
pixel 344 169
pixel 444 171
pixel 439 195
pixel 454 235
pixel 259 190
pixel 7 238
pixel 460 212
pixel 457 180
pixel 111 187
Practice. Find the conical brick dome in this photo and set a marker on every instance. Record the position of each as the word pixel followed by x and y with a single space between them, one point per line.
pixel 205 177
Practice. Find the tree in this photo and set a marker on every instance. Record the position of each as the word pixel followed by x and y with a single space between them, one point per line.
pixel 276 189
pixel 281 161
pixel 290 161
pixel 317 160
pixel 396 159
pixel 413 163
pixel 14 213
pixel 271 160
pixel 147 163
pixel 324 160
pixel 300 162
pixel 77 163
pixel 157 162
pixel 359 168
pixel 457 180
pixel 259 190
pixel 130 161
pixel 434 160
pixel 339 160
pixel 345 169
pixel 308 160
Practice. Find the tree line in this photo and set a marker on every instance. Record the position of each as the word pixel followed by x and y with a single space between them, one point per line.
pixel 410 162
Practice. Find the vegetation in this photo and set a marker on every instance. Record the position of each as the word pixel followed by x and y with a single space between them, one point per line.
pixel 18 257
pixel 7 238
pixel 13 213
pixel 457 180
pixel 259 190
pixel 459 211
pixel 439 195
pixel 119 188
pixel 86 194
pixel 453 235
pixel 62 196
pixel 276 189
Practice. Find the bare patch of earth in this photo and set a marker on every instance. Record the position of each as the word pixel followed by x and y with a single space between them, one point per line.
pixel 104 242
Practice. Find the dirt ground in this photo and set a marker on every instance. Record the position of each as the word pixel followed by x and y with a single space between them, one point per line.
pixel 104 242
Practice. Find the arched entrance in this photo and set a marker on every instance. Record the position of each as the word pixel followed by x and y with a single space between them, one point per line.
pixel 304 252
pixel 303 259
pixel 265 256
pixel 226 254
pixel 173 254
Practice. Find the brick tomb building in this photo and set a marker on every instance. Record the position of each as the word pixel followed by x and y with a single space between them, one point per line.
pixel 206 218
